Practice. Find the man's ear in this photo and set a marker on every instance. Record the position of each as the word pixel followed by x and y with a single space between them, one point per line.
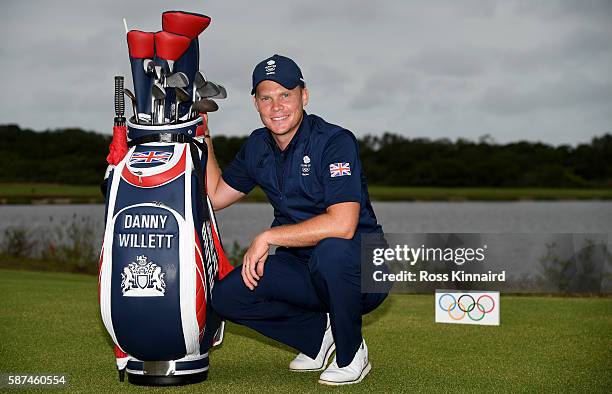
pixel 255 102
pixel 304 96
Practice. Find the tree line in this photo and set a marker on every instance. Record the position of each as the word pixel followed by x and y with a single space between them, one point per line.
pixel 75 156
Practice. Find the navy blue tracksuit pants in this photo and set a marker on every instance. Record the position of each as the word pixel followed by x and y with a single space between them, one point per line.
pixel 295 293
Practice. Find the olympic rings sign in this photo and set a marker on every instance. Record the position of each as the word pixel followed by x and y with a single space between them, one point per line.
pixel 467 307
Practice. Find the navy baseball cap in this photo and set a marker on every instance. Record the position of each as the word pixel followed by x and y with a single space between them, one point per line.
pixel 279 69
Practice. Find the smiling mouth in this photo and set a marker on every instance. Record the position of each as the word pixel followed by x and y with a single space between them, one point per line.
pixel 279 118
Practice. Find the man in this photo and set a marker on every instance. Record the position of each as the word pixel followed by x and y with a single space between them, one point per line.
pixel 308 294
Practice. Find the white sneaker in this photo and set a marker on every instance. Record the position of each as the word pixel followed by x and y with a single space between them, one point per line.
pixel 352 373
pixel 303 363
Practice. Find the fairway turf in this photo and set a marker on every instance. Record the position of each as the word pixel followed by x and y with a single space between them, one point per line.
pixel 50 323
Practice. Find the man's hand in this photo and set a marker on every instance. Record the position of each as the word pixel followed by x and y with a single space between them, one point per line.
pixel 254 260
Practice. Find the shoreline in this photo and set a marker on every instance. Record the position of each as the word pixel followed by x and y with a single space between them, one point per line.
pixel 51 194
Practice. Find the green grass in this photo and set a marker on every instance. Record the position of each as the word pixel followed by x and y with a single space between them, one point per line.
pixel 51 324
pixel 25 193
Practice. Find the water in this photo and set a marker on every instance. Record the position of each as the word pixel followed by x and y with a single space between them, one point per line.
pixel 242 222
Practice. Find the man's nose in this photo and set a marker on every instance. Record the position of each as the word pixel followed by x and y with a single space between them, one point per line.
pixel 277 105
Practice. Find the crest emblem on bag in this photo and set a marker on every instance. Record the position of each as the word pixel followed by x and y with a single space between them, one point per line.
pixel 143 279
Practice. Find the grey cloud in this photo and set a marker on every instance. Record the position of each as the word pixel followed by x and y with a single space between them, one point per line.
pixel 427 67
pixel 569 92
pixel 384 86
pixel 455 62
pixel 338 12
pixel 329 79
pixel 581 46
pixel 589 10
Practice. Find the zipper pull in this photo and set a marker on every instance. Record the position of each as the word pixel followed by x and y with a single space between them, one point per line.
pixel 139 173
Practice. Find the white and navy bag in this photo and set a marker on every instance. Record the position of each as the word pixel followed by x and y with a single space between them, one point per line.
pixel 161 256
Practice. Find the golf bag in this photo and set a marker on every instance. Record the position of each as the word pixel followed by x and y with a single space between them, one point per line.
pixel 161 256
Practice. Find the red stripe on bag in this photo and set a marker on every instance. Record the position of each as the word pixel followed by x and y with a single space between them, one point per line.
pixel 224 265
pixel 200 287
pixel 120 353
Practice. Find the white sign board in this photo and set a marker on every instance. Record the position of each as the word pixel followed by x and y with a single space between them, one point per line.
pixel 467 307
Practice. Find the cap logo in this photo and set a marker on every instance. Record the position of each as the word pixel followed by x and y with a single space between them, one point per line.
pixel 271 67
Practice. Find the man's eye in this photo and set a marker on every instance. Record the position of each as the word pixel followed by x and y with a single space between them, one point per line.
pixel 285 95
pixel 265 98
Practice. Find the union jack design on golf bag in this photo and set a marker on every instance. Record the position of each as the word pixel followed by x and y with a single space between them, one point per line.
pixel 162 253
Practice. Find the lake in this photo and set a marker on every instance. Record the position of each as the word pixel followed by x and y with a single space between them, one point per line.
pixel 242 222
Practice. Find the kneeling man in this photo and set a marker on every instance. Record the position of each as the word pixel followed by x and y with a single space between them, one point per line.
pixel 308 294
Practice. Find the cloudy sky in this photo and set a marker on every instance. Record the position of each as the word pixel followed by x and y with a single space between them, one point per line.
pixel 517 70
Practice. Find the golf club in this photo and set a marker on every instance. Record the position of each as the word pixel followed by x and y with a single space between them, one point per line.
pixel 132 97
pixel 209 89
pixel 205 105
pixel 176 80
pixel 181 97
pixel 222 92
pixel 198 82
pixel 159 94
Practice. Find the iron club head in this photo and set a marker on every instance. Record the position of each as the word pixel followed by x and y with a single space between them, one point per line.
pixel 209 89
pixel 132 97
pixel 177 80
pixel 159 94
pixel 205 105
pixel 181 97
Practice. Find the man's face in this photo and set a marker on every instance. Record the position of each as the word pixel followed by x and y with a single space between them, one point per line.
pixel 280 109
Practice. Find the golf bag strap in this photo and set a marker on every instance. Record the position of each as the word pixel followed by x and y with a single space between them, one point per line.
pixel 168 138
pixel 197 165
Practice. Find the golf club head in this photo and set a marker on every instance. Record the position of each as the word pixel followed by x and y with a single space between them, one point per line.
pixel 158 91
pixel 159 73
pixel 149 67
pixel 222 92
pixel 132 97
pixel 199 80
pixel 181 97
pixel 205 105
pixel 177 80
pixel 181 94
pixel 159 94
pixel 209 89
pixel 129 93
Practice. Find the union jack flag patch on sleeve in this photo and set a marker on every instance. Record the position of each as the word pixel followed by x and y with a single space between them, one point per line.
pixel 339 169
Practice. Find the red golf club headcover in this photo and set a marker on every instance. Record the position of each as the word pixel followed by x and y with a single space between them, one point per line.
pixel 184 23
pixel 141 45
pixel 118 146
pixel 170 46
